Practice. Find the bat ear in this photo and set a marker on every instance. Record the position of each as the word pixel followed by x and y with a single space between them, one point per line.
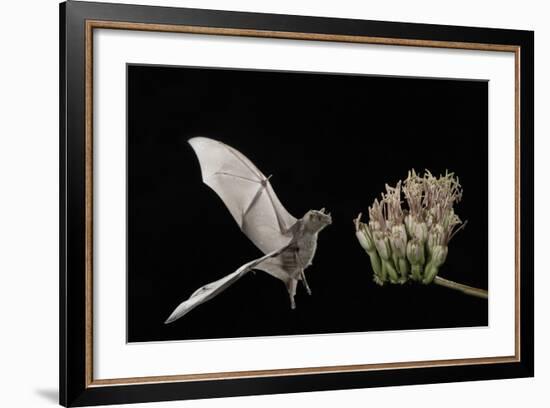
pixel 323 210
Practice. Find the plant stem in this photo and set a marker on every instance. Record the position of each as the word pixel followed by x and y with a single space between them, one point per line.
pixel 468 290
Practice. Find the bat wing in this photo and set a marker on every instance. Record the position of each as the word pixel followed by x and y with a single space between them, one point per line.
pixel 246 193
pixel 212 289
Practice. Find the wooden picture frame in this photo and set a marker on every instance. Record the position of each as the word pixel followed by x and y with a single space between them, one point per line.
pixel 78 385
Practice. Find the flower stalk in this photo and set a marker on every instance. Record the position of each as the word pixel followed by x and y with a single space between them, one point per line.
pixel 468 290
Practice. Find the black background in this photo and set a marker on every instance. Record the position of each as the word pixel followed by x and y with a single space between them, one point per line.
pixel 330 141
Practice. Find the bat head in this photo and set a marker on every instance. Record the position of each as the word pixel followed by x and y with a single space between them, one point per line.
pixel 317 220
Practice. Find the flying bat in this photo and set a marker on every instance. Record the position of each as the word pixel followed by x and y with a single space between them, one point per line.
pixel 288 244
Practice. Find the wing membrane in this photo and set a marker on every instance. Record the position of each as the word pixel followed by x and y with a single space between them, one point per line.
pixel 246 192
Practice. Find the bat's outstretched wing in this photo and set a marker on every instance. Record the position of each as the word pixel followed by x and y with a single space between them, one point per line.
pixel 246 192
pixel 212 289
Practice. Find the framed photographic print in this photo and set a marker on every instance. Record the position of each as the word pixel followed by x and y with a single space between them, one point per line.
pixel 255 203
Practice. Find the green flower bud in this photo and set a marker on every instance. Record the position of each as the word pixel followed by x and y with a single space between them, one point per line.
pixel 382 244
pixel 408 224
pixel 403 268
pixel 398 247
pixel 389 270
pixel 400 231
pixel 398 243
pixel 364 237
pixel 376 267
pixel 439 255
pixel 436 237
pixel 430 273
pixel 415 252
pixel 363 240
pixel 419 231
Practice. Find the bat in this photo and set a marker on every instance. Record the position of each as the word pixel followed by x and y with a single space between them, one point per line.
pixel 288 244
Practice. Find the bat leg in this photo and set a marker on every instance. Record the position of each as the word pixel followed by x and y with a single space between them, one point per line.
pixel 291 287
pixel 304 281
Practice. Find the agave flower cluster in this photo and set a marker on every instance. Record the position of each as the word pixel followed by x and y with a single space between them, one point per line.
pixel 411 243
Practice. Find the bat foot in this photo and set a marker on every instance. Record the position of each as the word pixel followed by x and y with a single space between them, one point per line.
pixel 304 281
pixel 292 304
